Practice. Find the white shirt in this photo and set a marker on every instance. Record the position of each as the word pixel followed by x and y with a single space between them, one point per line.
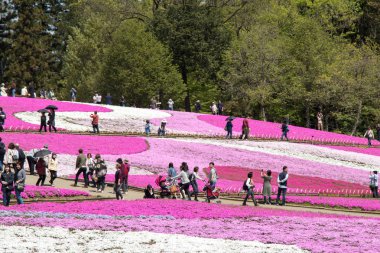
pixel 281 181
pixel 184 177
pixel 213 176
pixel 24 92
pixel 248 183
pixel 99 99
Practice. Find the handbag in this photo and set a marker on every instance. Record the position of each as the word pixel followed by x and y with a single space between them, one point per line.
pixel 20 187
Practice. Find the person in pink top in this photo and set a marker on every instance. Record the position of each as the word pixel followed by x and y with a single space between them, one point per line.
pixel 245 130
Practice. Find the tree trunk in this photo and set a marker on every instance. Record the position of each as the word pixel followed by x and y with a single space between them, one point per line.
pixel 263 113
pixel 187 98
pixel 357 119
pixel 307 116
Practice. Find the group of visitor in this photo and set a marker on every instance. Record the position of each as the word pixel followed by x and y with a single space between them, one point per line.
pixel 12 168
pixel 95 170
pixel 44 122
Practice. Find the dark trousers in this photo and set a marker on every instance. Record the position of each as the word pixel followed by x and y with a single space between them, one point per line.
pixel 95 128
pixel 6 197
pixel 185 188
pixel 43 126
pixel 281 191
pixel 101 183
pixel 52 126
pixel 53 176
pixel 41 179
pixel 31 164
pixel 375 191
pixel 89 175
pixel 195 192
pixel 251 194
pixel 124 183
pixel 81 170
pixel 229 134
pixel 284 135
pixel 1 127
pixel 117 190
pixel 369 141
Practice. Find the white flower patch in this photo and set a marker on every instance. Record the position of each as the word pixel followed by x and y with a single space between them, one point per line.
pixel 121 119
pixel 56 239
pixel 301 151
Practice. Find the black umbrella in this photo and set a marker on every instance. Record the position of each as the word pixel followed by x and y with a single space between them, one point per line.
pixel 43 110
pixel 53 107
pixel 230 118
pixel 42 153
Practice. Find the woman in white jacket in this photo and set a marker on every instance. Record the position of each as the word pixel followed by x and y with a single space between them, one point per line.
pixel 53 168
pixel 11 156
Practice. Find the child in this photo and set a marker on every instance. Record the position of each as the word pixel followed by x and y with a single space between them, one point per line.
pixel 117 187
pixel 147 128
pixel 149 192
pixel 43 123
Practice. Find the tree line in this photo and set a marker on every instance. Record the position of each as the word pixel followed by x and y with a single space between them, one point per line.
pixel 269 60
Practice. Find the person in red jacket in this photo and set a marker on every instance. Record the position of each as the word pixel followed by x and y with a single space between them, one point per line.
pixel 124 176
pixel 95 122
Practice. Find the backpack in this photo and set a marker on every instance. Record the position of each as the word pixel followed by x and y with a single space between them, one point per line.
pixel 245 187
pixel 191 177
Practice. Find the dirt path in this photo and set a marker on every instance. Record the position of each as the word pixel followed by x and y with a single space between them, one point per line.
pixel 134 195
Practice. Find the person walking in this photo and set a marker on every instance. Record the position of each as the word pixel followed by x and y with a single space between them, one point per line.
pixel 3 90
pixel 24 91
pixel 122 101
pixel 90 171
pixel 170 104
pixel 185 183
pixel 31 160
pixel 248 187
pixel 43 122
pixel 369 135
pixel 374 183
pixel 108 99
pixel 53 168
pixel 3 116
pixel 220 108
pixel 31 90
pixel 124 176
pixel 21 155
pixel 245 130
pixel 228 128
pixel 193 182
pixel 13 89
pixel 95 122
pixel 80 165
pixel 147 127
pixel 267 187
pixel 11 156
pixel 7 179
pixel 282 181
pixel 171 171
pixel 117 185
pixel 101 172
pixel 285 130
pixel 20 177
pixel 162 128
pixel 214 108
pixel 51 121
pixel 2 153
pixel 320 121
pixel 212 176
pixel 41 167
pixel 98 99
pixel 73 94
pixel 198 106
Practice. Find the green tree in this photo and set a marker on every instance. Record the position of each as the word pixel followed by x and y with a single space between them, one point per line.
pixel 197 38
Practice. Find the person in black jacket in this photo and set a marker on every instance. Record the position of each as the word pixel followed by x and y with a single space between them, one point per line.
pixel 117 187
pixel 282 181
pixel 149 192
pixel 51 121
pixel 2 153
pixel 7 178
pixel 21 155
pixel 3 116
pixel 43 122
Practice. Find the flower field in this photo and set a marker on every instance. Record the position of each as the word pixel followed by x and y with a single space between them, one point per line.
pixel 32 192
pixel 299 230
pixel 75 117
